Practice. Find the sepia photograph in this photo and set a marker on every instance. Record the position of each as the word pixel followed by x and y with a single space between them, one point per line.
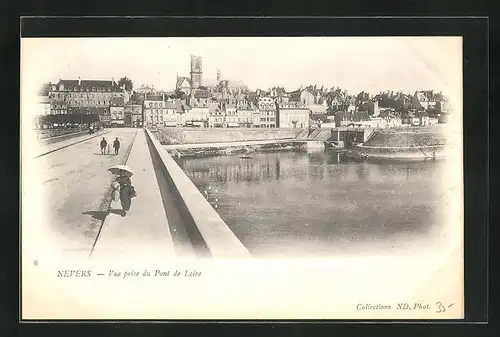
pixel 242 178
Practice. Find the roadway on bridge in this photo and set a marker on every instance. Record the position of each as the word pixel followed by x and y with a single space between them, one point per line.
pixel 84 221
pixel 75 189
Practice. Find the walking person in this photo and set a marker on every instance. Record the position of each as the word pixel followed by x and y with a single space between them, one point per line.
pixel 116 145
pixel 104 144
pixel 124 183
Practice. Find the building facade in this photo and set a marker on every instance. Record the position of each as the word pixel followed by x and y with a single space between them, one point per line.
pixel 216 119
pixel 267 110
pixel 216 115
pixel 170 115
pixel 58 107
pixel 153 108
pixel 197 117
pixel 117 112
pixel 133 114
pixel 86 93
pixel 293 116
pixel 245 118
pixel 231 116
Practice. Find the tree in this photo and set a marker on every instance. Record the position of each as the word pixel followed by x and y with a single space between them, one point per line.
pixel 179 94
pixel 44 89
pixel 127 82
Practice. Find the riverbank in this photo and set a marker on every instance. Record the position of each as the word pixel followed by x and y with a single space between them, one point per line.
pixel 419 143
pixel 404 144
pixel 245 148
pixel 168 136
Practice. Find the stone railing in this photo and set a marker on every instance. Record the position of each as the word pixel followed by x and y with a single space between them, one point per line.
pixel 206 229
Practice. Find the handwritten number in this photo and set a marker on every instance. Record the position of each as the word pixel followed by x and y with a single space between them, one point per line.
pixel 35 263
pixel 440 307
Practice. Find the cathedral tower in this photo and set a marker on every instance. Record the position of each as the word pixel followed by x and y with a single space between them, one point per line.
pixel 196 71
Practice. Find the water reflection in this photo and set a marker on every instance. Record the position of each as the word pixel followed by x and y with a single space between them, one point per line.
pixel 276 200
pixel 298 167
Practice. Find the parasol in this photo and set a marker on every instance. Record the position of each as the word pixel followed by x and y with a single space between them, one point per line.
pixel 121 169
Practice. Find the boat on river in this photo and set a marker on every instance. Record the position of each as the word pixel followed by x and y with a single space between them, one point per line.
pixel 247 155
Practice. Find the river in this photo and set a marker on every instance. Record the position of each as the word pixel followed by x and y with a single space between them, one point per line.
pixel 296 204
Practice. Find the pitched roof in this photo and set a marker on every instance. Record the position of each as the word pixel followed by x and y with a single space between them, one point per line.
pixel 313 91
pixel 89 85
pixel 180 80
pixel 153 98
pixel 278 91
pixel 180 106
pixel 295 95
pixel 428 95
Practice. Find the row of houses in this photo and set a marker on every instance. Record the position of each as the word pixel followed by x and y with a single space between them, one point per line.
pixel 201 108
pixel 223 107
pixel 161 110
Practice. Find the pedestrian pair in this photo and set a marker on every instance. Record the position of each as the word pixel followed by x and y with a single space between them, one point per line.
pixel 104 145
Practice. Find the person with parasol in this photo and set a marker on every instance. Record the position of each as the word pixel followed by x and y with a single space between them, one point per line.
pixel 124 185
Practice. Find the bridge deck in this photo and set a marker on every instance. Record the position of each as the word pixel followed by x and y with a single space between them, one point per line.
pixel 145 229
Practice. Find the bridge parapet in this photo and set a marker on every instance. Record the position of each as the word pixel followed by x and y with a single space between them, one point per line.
pixel 207 230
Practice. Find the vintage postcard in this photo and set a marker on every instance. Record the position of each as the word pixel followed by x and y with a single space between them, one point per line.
pixel 237 178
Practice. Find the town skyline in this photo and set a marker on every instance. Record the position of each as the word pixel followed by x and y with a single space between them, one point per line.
pixel 425 65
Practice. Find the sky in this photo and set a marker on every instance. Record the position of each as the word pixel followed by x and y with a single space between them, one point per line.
pixel 370 64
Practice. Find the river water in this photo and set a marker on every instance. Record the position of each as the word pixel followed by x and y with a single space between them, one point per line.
pixel 296 204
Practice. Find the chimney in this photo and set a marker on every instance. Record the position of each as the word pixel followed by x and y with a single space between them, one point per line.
pixel 163 96
pixel 79 81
